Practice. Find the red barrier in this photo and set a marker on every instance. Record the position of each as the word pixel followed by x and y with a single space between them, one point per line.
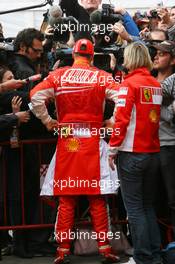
pixel 4 225
pixel 23 225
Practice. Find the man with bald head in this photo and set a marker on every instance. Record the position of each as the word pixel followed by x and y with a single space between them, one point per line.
pixel 90 5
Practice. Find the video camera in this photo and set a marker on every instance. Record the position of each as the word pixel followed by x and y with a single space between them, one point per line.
pixel 108 14
pixel 105 19
pixel 6 49
pixel 100 18
pixel 61 24
pixel 6 44
pixel 154 14
pixel 101 54
pixel 63 27
pixel 116 50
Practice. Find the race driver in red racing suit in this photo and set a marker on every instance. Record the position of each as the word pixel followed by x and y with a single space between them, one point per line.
pixel 80 95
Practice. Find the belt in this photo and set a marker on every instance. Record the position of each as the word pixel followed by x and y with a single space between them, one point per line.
pixel 81 130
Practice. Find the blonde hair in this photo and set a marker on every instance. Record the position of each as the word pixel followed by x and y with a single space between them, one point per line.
pixel 136 55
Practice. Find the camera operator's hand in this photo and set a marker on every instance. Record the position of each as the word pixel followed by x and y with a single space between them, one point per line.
pixel 120 10
pixel 120 29
pixel 48 34
pixel 113 61
pixel 16 104
pixel 162 26
pixel 23 116
pixel 145 33
pixel 109 123
pixel 164 16
pixel 51 124
pixel 71 41
pixel 56 65
pixel 49 31
pixel 11 85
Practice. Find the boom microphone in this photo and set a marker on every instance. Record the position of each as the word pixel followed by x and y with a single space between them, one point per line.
pixel 55 14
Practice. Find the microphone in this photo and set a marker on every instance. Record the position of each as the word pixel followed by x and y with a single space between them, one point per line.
pixel 36 77
pixel 113 36
pixel 55 14
pixel 33 78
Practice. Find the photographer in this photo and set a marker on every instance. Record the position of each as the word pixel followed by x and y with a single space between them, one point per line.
pixel 171 29
pixel 23 64
pixel 128 22
pixel 172 14
pixel 87 12
pixel 28 49
pixel 92 24
pixel 164 64
pixel 160 19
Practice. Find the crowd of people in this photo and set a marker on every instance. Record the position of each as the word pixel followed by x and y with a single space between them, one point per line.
pixel 122 80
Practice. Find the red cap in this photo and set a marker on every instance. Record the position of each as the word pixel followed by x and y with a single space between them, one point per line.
pixel 84 46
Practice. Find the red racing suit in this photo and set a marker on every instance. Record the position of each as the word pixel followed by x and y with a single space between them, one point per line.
pixel 137 114
pixel 80 92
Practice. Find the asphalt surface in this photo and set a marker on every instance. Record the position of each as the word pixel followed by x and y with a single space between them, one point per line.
pixel 48 260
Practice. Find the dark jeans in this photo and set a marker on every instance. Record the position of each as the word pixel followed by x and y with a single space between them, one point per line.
pixel 167 155
pixel 137 174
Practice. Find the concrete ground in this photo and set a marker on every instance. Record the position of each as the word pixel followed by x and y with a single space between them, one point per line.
pixel 48 260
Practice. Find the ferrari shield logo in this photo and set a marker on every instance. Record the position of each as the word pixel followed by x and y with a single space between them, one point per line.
pixel 147 94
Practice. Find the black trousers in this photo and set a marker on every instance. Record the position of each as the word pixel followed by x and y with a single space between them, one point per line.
pixel 167 158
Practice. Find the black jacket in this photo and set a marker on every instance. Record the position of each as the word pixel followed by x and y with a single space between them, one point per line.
pixel 8 121
pixel 72 8
pixel 22 68
pixel 6 124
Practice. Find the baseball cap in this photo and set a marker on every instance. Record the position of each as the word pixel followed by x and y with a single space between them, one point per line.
pixel 166 46
pixel 84 46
